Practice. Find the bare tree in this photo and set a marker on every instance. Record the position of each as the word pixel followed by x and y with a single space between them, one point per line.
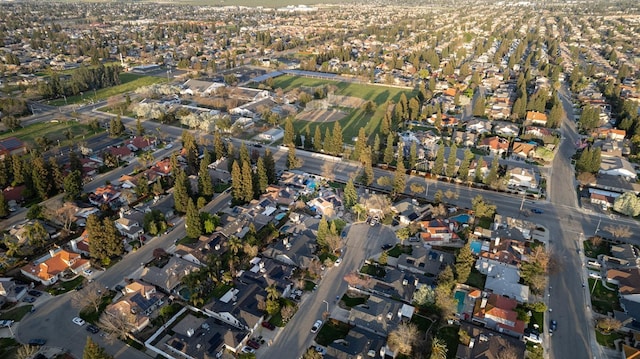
pixel 117 325
pixel 438 349
pixel 508 352
pixel 357 280
pixel 334 242
pixel 328 170
pixel 538 282
pixel 618 231
pixel 608 325
pixel 26 352
pixel 401 339
pixel 287 312
pixel 596 241
pixel 540 256
pixel 449 194
pixel 89 296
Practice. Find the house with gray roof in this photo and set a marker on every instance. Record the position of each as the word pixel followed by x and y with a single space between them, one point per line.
pixel 168 277
pixel 378 315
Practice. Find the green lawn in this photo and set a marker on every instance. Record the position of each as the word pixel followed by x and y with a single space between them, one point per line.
pixel 332 330
pixel 398 249
pixel 537 318
pixel 52 131
pixel 309 285
pixel 8 348
pixel 476 279
pixel 603 299
pixel 357 118
pixel 450 336
pixel 608 339
pixel 592 251
pixel 16 313
pixel 187 240
pixel 129 82
pixel 220 290
pixel 353 301
pixel 423 323
pixel 373 270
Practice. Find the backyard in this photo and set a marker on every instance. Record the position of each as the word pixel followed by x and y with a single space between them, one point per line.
pixel 399 249
pixel 357 117
pixel 604 301
pixel 373 270
pixel 476 279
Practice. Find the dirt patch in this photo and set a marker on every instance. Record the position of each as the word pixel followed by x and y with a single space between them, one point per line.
pixel 321 115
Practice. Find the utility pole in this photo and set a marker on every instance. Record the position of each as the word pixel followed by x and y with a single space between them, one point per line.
pixel 522 203
pixel 598 226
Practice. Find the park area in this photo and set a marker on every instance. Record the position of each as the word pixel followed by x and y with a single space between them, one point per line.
pixel 354 94
pixel 63 131
pixel 128 83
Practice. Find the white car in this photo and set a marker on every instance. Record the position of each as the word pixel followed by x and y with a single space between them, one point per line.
pixel 168 145
pixel 78 321
pixel 337 262
pixel 248 350
pixel 87 272
pixel 316 326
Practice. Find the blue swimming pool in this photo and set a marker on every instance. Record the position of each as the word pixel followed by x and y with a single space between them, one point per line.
pixel 280 216
pixel 459 296
pixel 476 247
pixel 461 218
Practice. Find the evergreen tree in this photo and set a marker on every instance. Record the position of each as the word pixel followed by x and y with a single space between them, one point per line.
pixel 112 241
pixel 350 194
pixel 323 232
pixel 236 182
pixel 56 174
pixel 399 178
pixel 375 150
pixel 328 144
pixel 139 128
pixel 40 177
pixel 4 206
pixel 289 133
pixel 555 116
pixel 244 154
pixel 438 165
pixel 192 222
pixel 463 171
pixel 308 141
pixel 270 167
pixel 298 140
pixel 317 139
pixel 190 147
pixel 93 351
pixel 360 143
pixel 19 169
pixel 389 150
pixel 413 155
pixel 116 127
pixel 479 106
pixel 181 193
pixel 205 184
pixel 292 161
pixel 464 263
pixel 385 124
pixel 414 109
pixel 73 185
pixel 261 177
pixel 492 176
pixel 247 181
pixel 218 146
pixel 450 171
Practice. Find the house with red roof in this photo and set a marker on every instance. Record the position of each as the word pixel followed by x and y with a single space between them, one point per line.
pixel 49 270
pixel 536 118
pixel 122 153
pixel 141 143
pixel 439 232
pixel 496 145
pixel 498 313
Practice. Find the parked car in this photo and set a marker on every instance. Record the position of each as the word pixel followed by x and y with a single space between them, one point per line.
pixel 119 288
pixel 386 246
pixel 321 350
pixel 87 272
pixel 553 326
pixel 248 350
pixel 337 262
pixel 5 323
pixel 268 325
pixel 29 299
pixel 37 341
pixel 35 293
pixel 92 329
pixel 316 326
pixel 254 344
pixel 537 211
pixel 78 321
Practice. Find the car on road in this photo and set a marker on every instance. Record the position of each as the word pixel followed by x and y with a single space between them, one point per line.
pixel 248 350
pixel 553 326
pixel 78 321
pixel 29 299
pixel 268 325
pixel 92 329
pixel 337 262
pixel 316 326
pixel 386 246
pixel 37 341
pixel 537 211
pixel 253 343
pixel 35 293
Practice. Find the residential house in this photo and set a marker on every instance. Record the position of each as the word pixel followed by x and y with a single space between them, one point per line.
pixel 465 139
pixel 104 195
pixel 200 88
pixel 197 337
pixel 140 300
pixel 282 196
pixel 422 260
pixel 479 126
pixel 11 146
pixel 439 232
pixel 199 252
pixel 407 210
pixel 601 199
pixel 10 291
pixel 506 129
pixel 141 143
pixel 159 169
pixel 537 131
pixel 48 270
pixel 495 145
pixel 611 133
pixel 498 313
pixel 628 282
pixel 240 306
pixel 20 231
pixel 122 153
pixel 485 344
pixel 523 150
pixel 378 315
pixel 129 224
pixel 622 256
pixel 168 277
pixel 536 118
pixel 522 177
pixel 296 250
pixel 358 343
pixel 617 166
pixel 503 278
pixel 322 207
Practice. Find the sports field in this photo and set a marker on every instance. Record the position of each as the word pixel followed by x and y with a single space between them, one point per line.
pixel 64 131
pixel 357 118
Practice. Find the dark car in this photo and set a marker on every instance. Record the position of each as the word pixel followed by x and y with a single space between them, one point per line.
pixel 537 211
pixel 386 246
pixel 119 288
pixel 553 326
pixel 37 341
pixel 93 329
pixel 268 325
pixel 35 293
pixel 29 299
pixel 254 344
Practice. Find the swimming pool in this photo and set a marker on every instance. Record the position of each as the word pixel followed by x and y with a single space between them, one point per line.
pixel 280 216
pixel 461 218
pixel 476 247
pixel 459 296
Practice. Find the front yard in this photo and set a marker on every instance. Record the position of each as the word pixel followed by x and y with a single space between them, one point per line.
pixel 593 251
pixel 332 330
pixel 603 300
pixel 608 340
pixel 374 270
pixel 16 313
